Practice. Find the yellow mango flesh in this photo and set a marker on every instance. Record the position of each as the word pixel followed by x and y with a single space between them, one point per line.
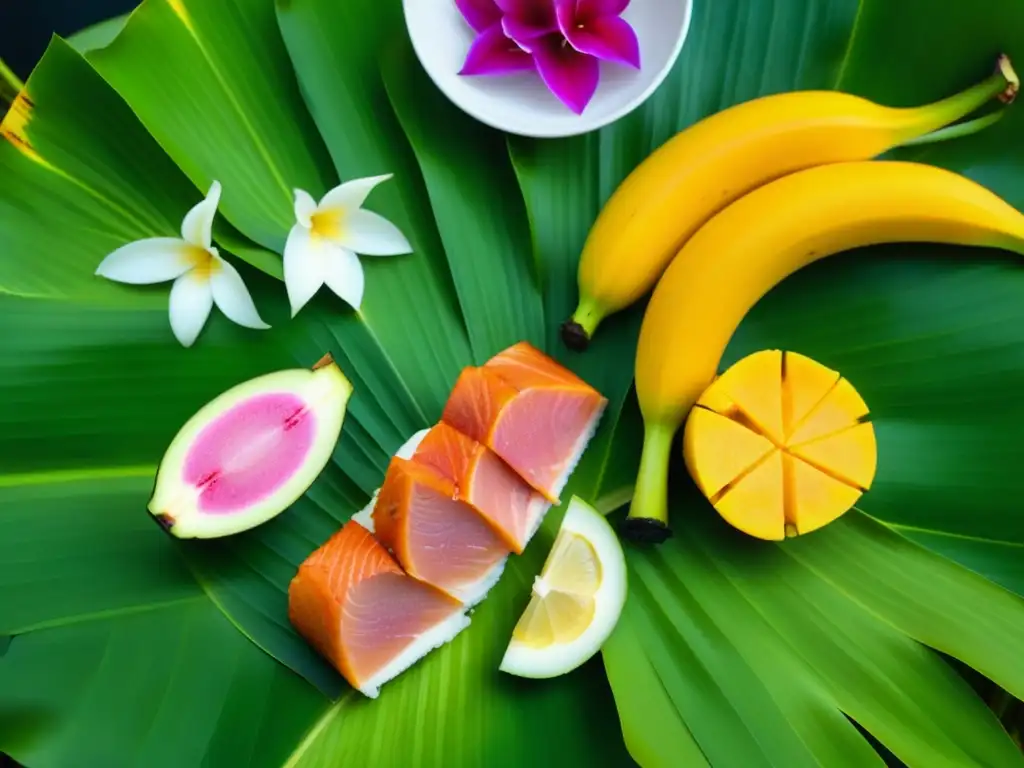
pixel 754 386
pixel 850 456
pixel 815 499
pixel 805 383
pixel 756 503
pixel 727 450
pixel 841 408
pixel 780 446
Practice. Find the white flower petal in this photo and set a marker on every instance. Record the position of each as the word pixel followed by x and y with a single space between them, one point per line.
pixel 303 266
pixel 231 295
pixel 153 260
pixel 197 228
pixel 351 194
pixel 370 233
pixel 191 302
pixel 305 207
pixel 344 275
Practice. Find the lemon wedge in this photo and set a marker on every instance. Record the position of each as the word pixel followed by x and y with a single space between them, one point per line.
pixel 577 598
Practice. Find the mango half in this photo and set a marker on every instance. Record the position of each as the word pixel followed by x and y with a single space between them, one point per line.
pixel 780 445
pixel 251 452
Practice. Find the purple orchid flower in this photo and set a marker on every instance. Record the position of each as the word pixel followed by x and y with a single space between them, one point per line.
pixel 564 41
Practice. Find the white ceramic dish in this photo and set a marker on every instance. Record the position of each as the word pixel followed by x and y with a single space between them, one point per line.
pixel 521 103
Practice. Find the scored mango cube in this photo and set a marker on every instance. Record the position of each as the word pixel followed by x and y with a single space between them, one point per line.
pixel 780 445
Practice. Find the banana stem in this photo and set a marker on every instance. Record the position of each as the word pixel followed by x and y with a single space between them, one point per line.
pixel 957 130
pixel 579 329
pixel 10 86
pixel 1002 84
pixel 647 520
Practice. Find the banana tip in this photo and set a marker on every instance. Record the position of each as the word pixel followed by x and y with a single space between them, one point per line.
pixel 644 530
pixel 1005 68
pixel 574 336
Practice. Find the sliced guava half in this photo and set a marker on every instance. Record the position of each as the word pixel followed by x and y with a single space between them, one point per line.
pixel 251 452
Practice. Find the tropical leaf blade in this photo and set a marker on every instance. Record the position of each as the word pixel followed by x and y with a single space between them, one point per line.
pixel 211 82
pixel 730 651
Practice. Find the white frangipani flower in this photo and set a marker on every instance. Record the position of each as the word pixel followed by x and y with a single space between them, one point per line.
pixel 322 246
pixel 201 277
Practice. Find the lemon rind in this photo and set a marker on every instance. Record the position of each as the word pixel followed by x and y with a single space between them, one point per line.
pixel 523 660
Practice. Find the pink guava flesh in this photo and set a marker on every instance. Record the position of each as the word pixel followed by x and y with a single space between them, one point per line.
pixel 250 451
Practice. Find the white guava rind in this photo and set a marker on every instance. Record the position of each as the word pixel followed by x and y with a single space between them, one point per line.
pixel 524 661
pixel 325 389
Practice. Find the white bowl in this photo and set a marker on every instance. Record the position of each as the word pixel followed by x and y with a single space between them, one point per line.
pixel 521 103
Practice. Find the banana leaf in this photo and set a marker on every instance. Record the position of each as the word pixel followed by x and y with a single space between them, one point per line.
pixel 98 35
pixel 120 647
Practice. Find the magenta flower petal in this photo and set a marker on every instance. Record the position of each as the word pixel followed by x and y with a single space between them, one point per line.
pixel 526 20
pixel 570 75
pixel 607 37
pixel 587 10
pixel 494 54
pixel 525 33
pixel 526 9
pixel 479 14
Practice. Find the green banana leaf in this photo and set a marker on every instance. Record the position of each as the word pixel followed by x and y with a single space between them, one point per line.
pixel 120 647
pixel 98 35
pixel 223 72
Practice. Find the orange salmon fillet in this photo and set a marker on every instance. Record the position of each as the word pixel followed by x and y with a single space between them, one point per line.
pixel 434 536
pixel 357 608
pixel 485 482
pixel 531 411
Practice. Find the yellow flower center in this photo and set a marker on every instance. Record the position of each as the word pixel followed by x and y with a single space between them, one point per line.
pixel 202 261
pixel 327 224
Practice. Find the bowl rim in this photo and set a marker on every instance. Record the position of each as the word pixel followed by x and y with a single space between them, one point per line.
pixel 584 126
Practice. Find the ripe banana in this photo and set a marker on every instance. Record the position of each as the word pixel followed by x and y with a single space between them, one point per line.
pixel 708 165
pixel 752 245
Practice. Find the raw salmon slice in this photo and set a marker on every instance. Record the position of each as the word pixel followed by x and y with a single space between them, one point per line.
pixel 434 536
pixel 485 482
pixel 531 411
pixel 356 607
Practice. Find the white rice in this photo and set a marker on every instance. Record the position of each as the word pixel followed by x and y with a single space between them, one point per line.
pixel 578 450
pixel 473 594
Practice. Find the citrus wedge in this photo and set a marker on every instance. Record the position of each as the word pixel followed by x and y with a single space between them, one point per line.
pixel 576 600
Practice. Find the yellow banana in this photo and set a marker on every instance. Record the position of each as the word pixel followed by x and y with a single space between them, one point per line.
pixel 715 161
pixel 749 247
